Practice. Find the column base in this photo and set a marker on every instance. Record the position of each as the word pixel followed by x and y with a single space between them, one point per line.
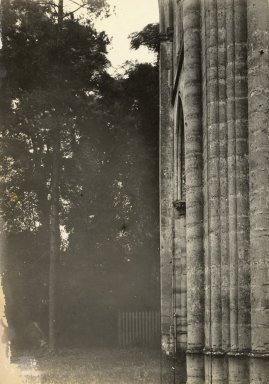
pixel 216 370
pixel 238 368
pixel 259 369
pixel 195 367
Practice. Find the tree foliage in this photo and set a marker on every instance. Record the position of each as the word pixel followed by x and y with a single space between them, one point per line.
pixel 73 60
pixel 108 166
pixel 149 37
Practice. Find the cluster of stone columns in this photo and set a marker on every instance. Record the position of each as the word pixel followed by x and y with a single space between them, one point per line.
pixel 226 122
pixel 226 198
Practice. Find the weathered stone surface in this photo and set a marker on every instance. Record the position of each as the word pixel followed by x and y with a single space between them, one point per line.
pixel 223 81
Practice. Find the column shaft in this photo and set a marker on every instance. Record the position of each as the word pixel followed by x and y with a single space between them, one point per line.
pixel 236 20
pixel 213 173
pixel 194 192
pixel 258 115
pixel 230 89
pixel 214 124
pixel 166 204
pixel 181 284
pixel 223 142
pixel 241 169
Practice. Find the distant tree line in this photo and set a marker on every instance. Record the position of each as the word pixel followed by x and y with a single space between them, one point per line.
pixel 79 174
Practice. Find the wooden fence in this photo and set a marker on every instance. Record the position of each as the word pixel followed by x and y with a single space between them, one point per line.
pixel 139 328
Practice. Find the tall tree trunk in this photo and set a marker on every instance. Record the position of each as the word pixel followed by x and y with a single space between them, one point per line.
pixel 54 213
pixel 60 16
pixel 54 239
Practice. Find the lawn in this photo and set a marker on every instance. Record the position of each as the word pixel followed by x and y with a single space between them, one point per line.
pixel 94 366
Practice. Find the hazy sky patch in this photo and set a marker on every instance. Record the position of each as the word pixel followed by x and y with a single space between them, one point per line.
pixel 130 16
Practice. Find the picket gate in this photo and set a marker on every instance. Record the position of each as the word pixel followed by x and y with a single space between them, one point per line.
pixel 139 328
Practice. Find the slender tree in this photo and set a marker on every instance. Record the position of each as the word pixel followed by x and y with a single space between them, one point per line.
pixel 54 211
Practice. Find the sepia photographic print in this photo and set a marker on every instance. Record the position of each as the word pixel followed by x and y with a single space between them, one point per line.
pixel 134 176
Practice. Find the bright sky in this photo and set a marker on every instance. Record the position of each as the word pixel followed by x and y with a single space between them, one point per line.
pixel 130 16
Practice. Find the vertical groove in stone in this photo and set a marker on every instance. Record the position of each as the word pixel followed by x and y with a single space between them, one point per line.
pixel 176 300
pixel 175 40
pixel 258 115
pixel 205 178
pixel 180 289
pixel 174 261
pixel 194 194
pixel 165 11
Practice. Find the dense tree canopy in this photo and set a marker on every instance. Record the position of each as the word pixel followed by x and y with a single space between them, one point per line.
pixel 64 115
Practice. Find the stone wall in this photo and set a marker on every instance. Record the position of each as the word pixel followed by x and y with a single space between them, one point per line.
pixel 217 62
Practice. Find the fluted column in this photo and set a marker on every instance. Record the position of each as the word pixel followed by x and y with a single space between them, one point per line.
pixel 192 105
pixel 225 188
pixel 258 108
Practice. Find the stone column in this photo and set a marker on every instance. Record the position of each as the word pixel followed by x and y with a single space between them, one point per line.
pixel 181 286
pixel 220 360
pixel 166 190
pixel 258 116
pixel 230 84
pixel 214 116
pixel 192 105
pixel 180 292
pixel 242 177
pixel 237 115
pixel 223 164
pixel 226 179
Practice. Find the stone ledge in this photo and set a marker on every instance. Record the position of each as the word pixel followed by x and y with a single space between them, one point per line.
pixel 259 355
pixel 221 353
pixel 195 351
pixel 214 352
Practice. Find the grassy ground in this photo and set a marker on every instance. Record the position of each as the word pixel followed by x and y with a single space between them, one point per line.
pixel 98 366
